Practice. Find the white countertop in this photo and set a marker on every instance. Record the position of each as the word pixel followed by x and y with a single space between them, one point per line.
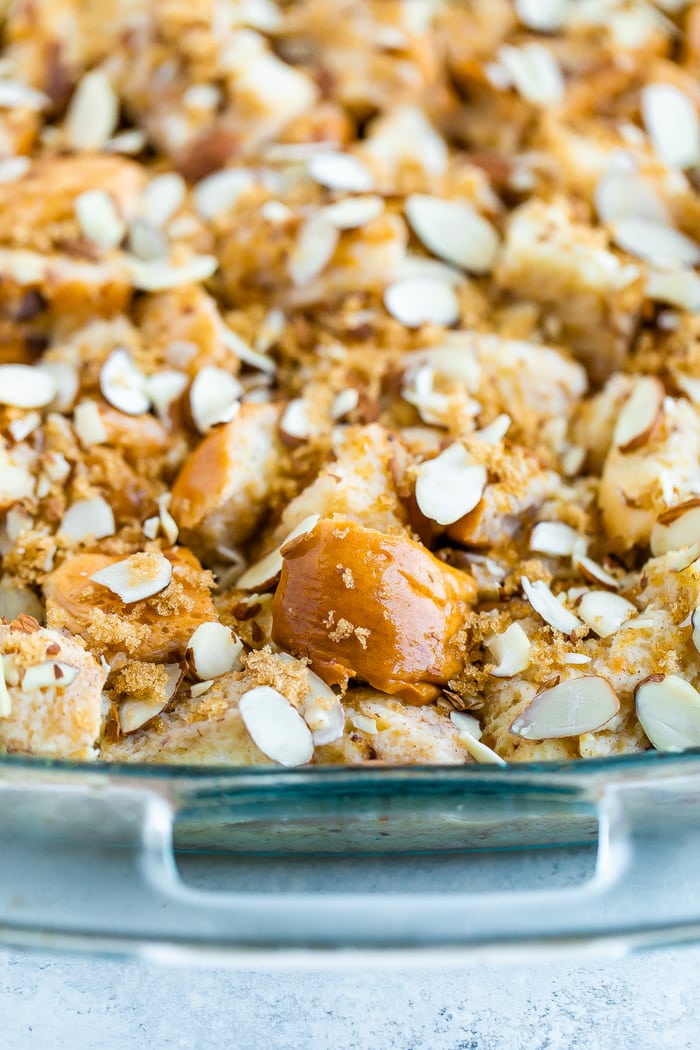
pixel 644 1002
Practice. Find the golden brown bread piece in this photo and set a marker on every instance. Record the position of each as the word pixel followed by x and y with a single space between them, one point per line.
pixel 359 603
pixel 156 628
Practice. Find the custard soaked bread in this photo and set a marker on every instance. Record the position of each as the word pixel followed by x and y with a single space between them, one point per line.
pixel 349 380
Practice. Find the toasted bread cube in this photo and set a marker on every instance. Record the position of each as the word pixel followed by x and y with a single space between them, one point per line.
pixel 54 719
pixel 223 489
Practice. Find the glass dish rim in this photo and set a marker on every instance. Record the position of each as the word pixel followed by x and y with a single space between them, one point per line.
pixel 645 761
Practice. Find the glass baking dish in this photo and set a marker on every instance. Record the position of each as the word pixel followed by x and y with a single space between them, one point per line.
pixel 90 857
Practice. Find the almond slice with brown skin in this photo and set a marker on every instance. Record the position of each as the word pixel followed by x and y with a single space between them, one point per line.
pixel 123 385
pixel 213 650
pixel 450 485
pixel 214 398
pixel 570 708
pixel 676 528
pixel 594 572
pixel 604 612
pixel 469 739
pixel 50 673
pixel 264 572
pixel 133 714
pixel 137 577
pixel 548 606
pixel 640 416
pixel 512 651
pixel 668 709
pixel 276 726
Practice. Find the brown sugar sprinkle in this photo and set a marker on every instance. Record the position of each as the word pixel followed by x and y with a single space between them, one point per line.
pixel 468 227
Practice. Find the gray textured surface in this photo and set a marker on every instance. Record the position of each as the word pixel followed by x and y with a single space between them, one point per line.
pixel 643 1002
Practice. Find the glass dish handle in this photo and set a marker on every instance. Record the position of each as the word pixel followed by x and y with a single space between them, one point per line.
pixel 123 893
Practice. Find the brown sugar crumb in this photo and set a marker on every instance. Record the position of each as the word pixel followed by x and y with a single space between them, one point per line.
pixel 348 578
pixel 142 681
pixel 342 630
pixel 288 676
pixel 143 567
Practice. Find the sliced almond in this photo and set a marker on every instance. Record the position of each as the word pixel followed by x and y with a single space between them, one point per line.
pixel 146 240
pixel 535 73
pixel 555 538
pixel 496 430
pixel 622 194
pixel 641 415
pixel 604 612
pixel 454 231
pixel 131 142
pixel 656 243
pixel 88 425
pixel 265 572
pixel 323 712
pixel 200 688
pixel 98 218
pixel 134 714
pixel 214 650
pixel 671 121
pixel 158 275
pixel 15 94
pixel 544 16
pixel 276 726
pixel 677 287
pixel 314 249
pixel 570 708
pixel 450 485
pixel 66 381
pixel 594 572
pixel 50 673
pixel 251 357
pixel 20 429
pixel 668 709
pixel 163 389
pixel 218 193
pixel 353 212
pixel 13 168
pixel 23 386
pixel 93 112
pixel 345 402
pixel 123 385
pixel 548 607
pixel 575 658
pixel 469 733
pixel 364 724
pixel 163 197
pixel 512 651
pixel 676 528
pixel 168 524
pixel 295 423
pixel 422 300
pixel 214 397
pixel 137 577
pixel 88 517
pixel 340 171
